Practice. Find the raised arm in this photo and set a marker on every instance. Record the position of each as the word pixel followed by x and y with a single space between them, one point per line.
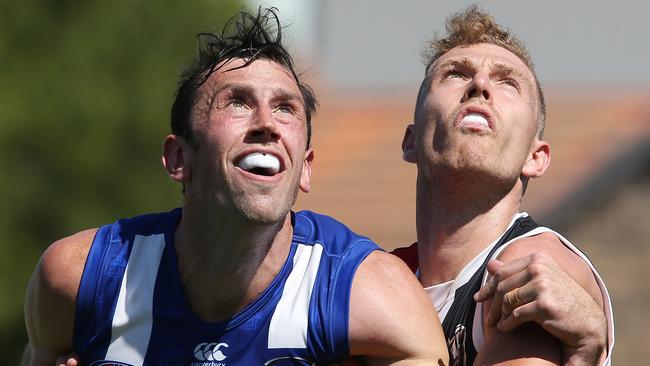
pixel 545 282
pixel 392 322
pixel 50 299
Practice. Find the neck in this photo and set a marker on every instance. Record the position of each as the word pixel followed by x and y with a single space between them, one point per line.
pixel 235 258
pixel 457 218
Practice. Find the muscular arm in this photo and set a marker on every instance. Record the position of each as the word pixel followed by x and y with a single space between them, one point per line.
pixel 549 297
pixel 570 273
pixel 50 299
pixel 392 321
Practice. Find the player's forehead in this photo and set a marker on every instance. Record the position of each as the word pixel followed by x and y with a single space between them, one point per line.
pixel 481 54
pixel 259 76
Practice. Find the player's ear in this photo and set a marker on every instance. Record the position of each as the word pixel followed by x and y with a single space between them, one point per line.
pixel 176 155
pixel 538 159
pixel 408 145
pixel 305 176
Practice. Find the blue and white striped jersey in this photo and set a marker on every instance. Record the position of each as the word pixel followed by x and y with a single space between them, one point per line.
pixel 131 308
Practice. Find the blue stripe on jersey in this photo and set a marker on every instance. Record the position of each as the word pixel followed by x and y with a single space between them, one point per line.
pixel 309 300
pixel 344 252
pixel 106 262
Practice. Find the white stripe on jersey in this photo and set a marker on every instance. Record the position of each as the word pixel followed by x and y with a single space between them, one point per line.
pixel 288 327
pixel 132 322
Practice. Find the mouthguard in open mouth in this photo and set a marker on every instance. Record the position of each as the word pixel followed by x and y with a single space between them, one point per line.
pixel 260 164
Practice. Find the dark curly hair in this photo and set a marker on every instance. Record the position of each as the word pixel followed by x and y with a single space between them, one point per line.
pixel 245 36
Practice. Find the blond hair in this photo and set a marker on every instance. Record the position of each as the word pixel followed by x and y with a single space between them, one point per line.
pixel 472 26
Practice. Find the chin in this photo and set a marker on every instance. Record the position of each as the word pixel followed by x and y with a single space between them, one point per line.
pixel 477 170
pixel 265 213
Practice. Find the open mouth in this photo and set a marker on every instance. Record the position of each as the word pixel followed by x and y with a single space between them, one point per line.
pixel 260 164
pixel 475 120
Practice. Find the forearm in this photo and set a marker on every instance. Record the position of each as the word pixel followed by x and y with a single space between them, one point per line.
pixel 591 349
pixel 588 356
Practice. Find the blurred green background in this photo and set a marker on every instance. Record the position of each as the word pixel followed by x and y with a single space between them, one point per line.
pixel 85 93
pixel 86 89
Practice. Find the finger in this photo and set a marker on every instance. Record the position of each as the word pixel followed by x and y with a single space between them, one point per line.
pixel 494 312
pixel 74 360
pixel 494 265
pixel 504 287
pixel 71 359
pixel 510 302
pixel 512 298
pixel 500 271
pixel 516 265
pixel 518 316
pixel 516 299
pixel 488 289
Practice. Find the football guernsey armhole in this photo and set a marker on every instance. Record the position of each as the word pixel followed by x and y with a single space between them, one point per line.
pixel 442 295
pixel 86 294
pixel 459 324
pixel 92 302
pixel 339 310
pixel 522 225
pixel 607 303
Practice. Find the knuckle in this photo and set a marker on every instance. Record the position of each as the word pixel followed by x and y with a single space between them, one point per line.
pixel 498 276
pixel 540 257
pixel 536 269
pixel 501 290
pixel 544 305
pixel 516 313
pixel 543 285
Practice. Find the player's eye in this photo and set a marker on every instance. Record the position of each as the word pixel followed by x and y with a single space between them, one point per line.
pixel 454 73
pixel 285 108
pixel 236 103
pixel 510 83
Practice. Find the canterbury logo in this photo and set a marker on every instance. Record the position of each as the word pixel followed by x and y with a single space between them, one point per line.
pixel 210 351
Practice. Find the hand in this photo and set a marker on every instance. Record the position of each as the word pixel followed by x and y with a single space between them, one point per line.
pixel 71 359
pixel 534 288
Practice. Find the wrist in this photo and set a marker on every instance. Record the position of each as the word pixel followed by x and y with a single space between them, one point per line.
pixel 593 355
pixel 591 349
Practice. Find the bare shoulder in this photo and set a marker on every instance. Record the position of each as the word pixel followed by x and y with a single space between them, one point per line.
pixel 62 263
pixel 51 293
pixel 390 315
pixel 547 245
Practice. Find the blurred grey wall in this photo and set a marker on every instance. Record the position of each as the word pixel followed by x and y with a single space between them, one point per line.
pixel 376 44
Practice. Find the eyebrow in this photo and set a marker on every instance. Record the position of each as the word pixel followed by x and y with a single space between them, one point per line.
pixel 498 68
pixel 463 62
pixel 234 87
pixel 505 70
pixel 283 94
pixel 246 89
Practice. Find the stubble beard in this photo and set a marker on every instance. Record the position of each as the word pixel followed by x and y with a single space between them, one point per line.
pixel 264 209
pixel 464 165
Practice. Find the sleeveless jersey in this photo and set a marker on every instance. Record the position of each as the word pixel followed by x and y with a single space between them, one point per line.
pixel 131 308
pixel 461 316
